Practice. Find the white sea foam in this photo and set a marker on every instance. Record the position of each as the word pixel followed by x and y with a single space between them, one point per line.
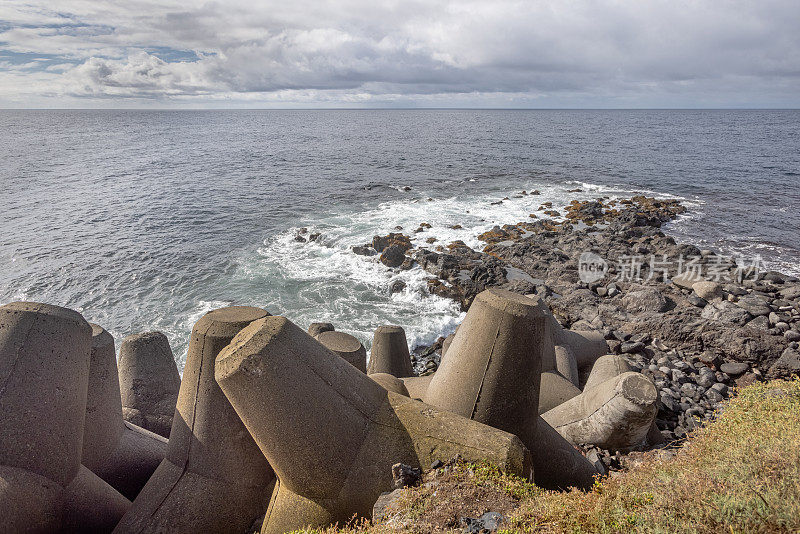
pixel 324 280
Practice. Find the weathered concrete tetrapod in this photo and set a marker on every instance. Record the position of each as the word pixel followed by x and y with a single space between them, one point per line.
pixel 331 433
pixel 44 374
pixel 566 364
pixel 616 414
pixel 492 369
pixel 586 345
pixel 315 329
pixel 149 381
pixel 492 374
pixel 346 346
pixel 446 344
pixel 214 478
pixel 91 504
pixel 554 390
pixel 417 385
pixel 33 503
pixel 122 454
pixel 390 383
pixel 571 352
pixel 562 467
pixel 389 353
pixel 605 368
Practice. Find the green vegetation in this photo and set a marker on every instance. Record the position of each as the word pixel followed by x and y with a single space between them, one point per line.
pixel 738 474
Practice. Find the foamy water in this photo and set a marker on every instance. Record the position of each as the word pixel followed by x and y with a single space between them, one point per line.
pixel 324 280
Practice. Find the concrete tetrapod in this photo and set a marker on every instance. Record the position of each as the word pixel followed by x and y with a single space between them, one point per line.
pixel 122 454
pixel 44 375
pixel 315 329
pixel 417 385
pixel 566 364
pixel 492 374
pixel 390 383
pixel 91 504
pixel 555 390
pixel 214 478
pixel 389 353
pixel 331 433
pixel 446 344
pixel 607 367
pixel 149 381
pixel 616 414
pixel 346 346
pixel 604 368
pixel 586 345
pixel 570 352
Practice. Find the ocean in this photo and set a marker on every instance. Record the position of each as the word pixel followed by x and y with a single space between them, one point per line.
pixel 146 220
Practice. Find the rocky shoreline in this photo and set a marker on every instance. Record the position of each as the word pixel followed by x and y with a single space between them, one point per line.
pixel 575 355
pixel 697 323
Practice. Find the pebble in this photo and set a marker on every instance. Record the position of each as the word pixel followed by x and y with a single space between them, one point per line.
pixel 734 368
pixel 706 380
pixel 792 335
pixel 679 376
pixel 632 347
pixel 643 337
pixel 707 290
pixel 722 389
pixel 397 286
pixel 487 523
pixel 694 411
pixel 668 403
pixel 694 300
pixel 682 365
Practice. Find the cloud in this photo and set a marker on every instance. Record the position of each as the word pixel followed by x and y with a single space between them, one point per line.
pixel 141 75
pixel 543 52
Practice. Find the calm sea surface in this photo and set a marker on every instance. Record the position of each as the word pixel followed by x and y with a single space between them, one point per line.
pixel 145 220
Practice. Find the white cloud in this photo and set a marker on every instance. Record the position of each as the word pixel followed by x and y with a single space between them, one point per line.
pixel 546 52
pixel 141 74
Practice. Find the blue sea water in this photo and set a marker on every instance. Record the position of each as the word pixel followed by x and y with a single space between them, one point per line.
pixel 145 220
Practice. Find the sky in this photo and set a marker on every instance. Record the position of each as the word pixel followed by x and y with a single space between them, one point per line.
pixel 376 53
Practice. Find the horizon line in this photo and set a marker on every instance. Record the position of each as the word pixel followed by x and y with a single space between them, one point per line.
pixel 415 108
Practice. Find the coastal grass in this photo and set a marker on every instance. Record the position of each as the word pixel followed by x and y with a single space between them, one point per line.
pixel 739 474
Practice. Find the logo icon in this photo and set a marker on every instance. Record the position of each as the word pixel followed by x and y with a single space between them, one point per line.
pixel 591 267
